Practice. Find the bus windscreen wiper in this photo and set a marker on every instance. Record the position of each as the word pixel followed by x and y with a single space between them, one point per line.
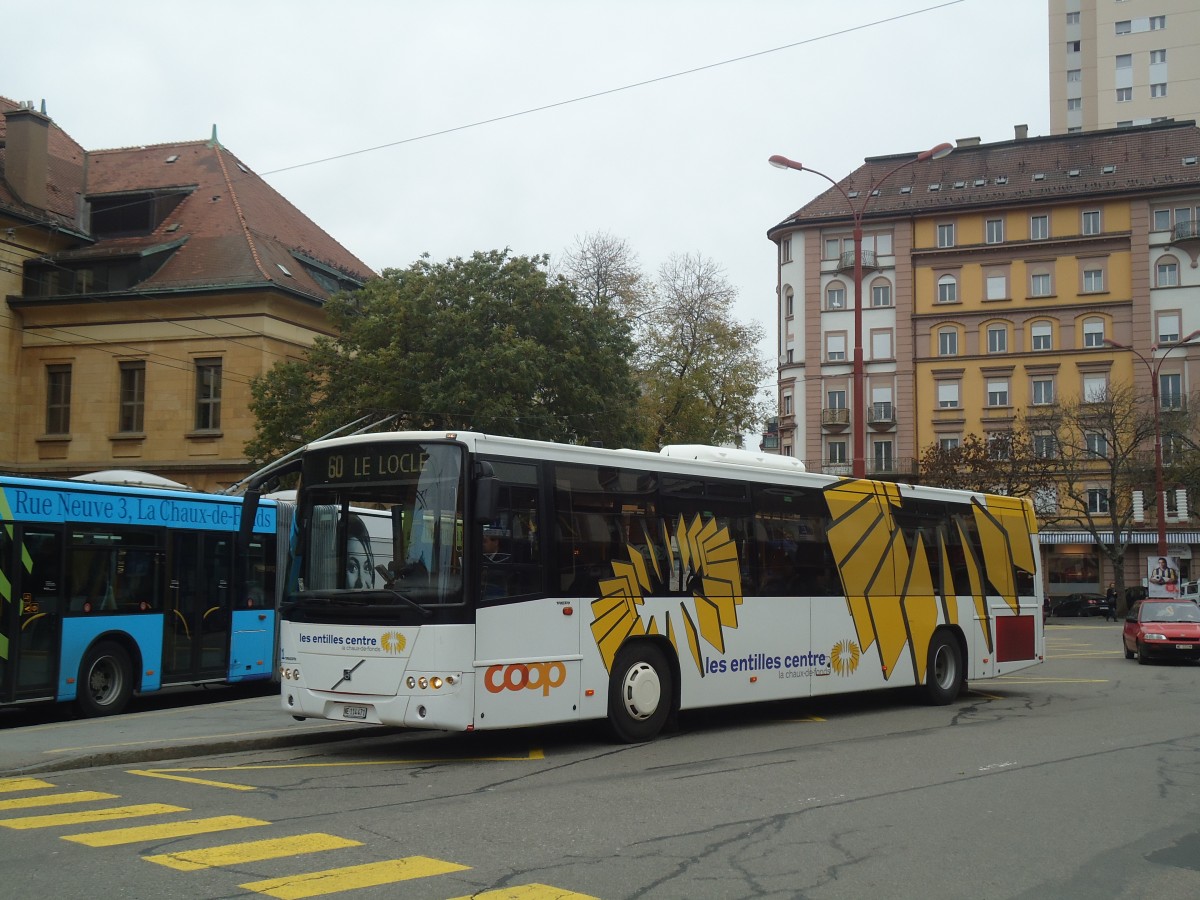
pixel 387 593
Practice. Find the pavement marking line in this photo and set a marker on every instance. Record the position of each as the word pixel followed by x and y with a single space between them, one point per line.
pixel 55 799
pixel 160 773
pixel 93 815
pixel 181 740
pixel 146 833
pixel 529 892
pixel 317 884
pixel 8 785
pixel 250 851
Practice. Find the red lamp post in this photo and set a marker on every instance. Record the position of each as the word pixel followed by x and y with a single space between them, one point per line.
pixel 1153 366
pixel 858 425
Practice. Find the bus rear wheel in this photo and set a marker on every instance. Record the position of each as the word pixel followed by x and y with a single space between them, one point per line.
pixel 944 674
pixel 640 693
pixel 105 680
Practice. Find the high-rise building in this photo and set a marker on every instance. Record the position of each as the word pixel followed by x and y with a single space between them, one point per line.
pixel 1120 63
pixel 997 282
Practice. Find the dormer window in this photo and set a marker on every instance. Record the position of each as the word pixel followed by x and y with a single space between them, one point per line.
pixel 131 214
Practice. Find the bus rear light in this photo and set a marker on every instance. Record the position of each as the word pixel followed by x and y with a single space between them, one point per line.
pixel 435 682
pixel 422 682
pixel 410 683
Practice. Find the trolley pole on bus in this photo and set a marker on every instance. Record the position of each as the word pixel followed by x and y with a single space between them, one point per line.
pixel 859 421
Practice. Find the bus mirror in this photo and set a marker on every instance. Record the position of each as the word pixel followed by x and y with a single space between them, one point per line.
pixel 249 514
pixel 487 498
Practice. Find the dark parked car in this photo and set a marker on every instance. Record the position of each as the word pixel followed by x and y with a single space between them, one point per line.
pixel 1080 605
pixel 1162 629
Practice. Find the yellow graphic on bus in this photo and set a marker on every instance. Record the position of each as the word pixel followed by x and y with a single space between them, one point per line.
pixel 893 595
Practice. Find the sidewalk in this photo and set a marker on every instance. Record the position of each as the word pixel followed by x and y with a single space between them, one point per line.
pixel 52 741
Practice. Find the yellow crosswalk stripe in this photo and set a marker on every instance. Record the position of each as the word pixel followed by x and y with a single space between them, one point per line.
pixel 54 799
pixel 316 884
pixel 147 833
pixel 529 892
pixel 22 784
pixel 251 851
pixel 93 815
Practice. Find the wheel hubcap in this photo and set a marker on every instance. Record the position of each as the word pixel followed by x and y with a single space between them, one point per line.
pixel 641 691
pixel 104 681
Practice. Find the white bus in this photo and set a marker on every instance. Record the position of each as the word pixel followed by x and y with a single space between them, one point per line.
pixel 517 582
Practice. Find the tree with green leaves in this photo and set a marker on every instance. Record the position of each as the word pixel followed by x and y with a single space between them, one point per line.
pixel 489 343
pixel 699 367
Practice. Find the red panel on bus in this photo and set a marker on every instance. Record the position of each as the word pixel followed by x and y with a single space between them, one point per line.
pixel 1014 638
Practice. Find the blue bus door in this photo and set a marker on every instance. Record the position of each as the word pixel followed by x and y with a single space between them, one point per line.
pixel 196 624
pixel 31 592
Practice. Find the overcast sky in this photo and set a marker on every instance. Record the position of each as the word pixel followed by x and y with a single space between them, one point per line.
pixel 302 91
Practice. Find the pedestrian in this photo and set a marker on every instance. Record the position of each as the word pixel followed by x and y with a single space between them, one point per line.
pixel 1111 597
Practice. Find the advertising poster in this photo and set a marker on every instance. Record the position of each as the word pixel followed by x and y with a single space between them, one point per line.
pixel 1163 576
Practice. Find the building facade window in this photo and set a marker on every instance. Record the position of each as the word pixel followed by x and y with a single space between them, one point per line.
pixel 1162 220
pixel 835 399
pixel 1158 57
pixel 997 339
pixel 945 234
pixel 1093 280
pixel 1170 391
pixel 1096 444
pixel 881 344
pixel 1097 500
pixel 1166 273
pixel 948 342
pixel 995 231
pixel 785 250
pixel 996 287
pixel 1158 23
pixel 1045 446
pixel 997 392
pixel 1095 388
pixel 1159 89
pixel 1072 18
pixel 1043 391
pixel 947 289
pixel 1124 94
pixel 1074 103
pixel 833 248
pixel 1072 46
pixel 58 399
pixel 131 417
pixel 1093 332
pixel 789 303
pixel 1124 60
pixel 1090 221
pixel 1168 328
pixel 948 394
pixel 835 347
pixel 208 394
pixel 1039 284
pixel 1039 228
pixel 835 296
pixel 881 294
pixel 835 453
pixel 1041 336
pixel 949 443
pixel 1074 75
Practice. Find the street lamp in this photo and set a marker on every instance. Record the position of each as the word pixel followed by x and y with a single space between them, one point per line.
pixel 858 424
pixel 1153 368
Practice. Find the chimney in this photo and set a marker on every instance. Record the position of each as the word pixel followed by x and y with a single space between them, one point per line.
pixel 1022 132
pixel 968 142
pixel 27 154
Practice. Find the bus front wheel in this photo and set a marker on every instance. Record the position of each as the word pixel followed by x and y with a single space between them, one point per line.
pixel 105 680
pixel 944 675
pixel 640 693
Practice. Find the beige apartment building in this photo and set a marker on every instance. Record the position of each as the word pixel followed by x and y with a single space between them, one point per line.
pixel 144 288
pixel 993 280
pixel 1120 63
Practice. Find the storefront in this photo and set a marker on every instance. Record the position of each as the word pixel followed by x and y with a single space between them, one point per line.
pixel 1072 562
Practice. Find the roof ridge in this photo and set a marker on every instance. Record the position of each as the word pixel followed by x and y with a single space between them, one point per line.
pixel 133 147
pixel 237 206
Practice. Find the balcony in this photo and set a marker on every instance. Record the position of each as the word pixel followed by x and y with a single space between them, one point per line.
pixel 1186 236
pixel 869 262
pixel 835 420
pixel 881 416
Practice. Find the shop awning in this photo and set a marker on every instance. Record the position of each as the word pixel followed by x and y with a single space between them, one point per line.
pixel 1133 537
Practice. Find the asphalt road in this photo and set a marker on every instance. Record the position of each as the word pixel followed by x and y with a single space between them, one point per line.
pixel 1077 779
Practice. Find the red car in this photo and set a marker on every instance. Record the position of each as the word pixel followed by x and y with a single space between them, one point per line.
pixel 1162 629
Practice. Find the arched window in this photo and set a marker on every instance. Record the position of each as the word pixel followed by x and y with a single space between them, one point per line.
pixel 835 295
pixel 947 289
pixel 1093 332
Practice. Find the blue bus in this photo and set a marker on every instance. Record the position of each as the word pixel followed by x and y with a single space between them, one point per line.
pixel 109 589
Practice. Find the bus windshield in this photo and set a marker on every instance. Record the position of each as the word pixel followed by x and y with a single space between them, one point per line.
pixel 393 535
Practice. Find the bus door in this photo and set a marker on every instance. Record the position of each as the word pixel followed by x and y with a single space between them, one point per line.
pixel 31 591
pixel 196 624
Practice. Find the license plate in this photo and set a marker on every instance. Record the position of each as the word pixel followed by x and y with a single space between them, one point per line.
pixel 1183 646
pixel 354 712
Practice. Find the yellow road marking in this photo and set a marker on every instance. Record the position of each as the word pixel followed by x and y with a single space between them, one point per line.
pixel 250 851
pixel 145 833
pixel 55 799
pixel 94 815
pixel 22 784
pixel 159 773
pixel 315 884
pixel 529 892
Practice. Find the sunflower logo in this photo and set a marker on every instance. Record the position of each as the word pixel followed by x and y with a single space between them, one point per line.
pixel 844 657
pixel 393 642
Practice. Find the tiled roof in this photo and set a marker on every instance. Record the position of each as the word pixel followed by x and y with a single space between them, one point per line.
pixel 230 229
pixel 64 176
pixel 1147 159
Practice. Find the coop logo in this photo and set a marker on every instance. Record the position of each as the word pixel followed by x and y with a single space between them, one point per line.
pixel 541 676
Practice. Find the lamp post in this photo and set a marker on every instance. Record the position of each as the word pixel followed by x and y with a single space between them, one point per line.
pixel 858 424
pixel 1153 366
